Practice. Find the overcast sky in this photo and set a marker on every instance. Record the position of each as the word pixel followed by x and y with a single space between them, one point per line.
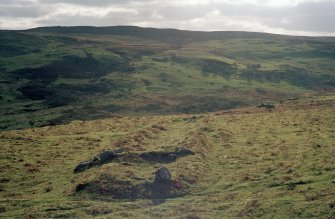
pixel 294 17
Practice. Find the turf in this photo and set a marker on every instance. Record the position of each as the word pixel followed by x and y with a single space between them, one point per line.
pixel 248 163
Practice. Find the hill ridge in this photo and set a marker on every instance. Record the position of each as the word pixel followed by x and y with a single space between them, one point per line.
pixel 69 73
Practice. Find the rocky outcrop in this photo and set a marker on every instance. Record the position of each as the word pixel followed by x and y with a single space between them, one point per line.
pixel 121 155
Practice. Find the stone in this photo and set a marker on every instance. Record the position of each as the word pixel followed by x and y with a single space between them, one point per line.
pixel 83 166
pixel 162 175
pixel 172 157
pixel 181 151
pixel 107 156
pixel 80 187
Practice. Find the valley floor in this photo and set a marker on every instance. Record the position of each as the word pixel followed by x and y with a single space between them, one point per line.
pixel 248 162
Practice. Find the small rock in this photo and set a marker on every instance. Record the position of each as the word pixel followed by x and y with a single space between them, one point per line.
pixel 126 164
pixel 119 150
pixel 332 204
pixel 172 157
pixel 162 175
pixel 2 209
pixel 289 170
pixel 83 166
pixel 4 180
pixel 48 188
pixel 107 156
pixel 80 187
pixel 183 151
pixel 193 216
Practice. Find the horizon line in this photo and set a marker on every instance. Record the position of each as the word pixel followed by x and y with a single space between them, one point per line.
pixel 168 28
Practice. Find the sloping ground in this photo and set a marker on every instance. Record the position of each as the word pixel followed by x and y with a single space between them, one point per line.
pixel 52 76
pixel 249 162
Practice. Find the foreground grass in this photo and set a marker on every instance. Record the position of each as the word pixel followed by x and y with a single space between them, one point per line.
pixel 248 163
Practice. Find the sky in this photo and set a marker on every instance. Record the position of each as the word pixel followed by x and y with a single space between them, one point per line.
pixel 291 17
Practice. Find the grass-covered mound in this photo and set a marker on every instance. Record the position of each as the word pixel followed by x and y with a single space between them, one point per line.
pixel 250 162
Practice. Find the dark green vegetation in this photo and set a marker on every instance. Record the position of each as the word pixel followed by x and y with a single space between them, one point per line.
pixel 59 74
pixel 242 163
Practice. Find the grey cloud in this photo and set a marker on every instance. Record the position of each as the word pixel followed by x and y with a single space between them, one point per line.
pixel 178 13
pixel 310 17
pixel 110 19
pixel 15 2
pixel 319 17
pixel 92 2
pixel 16 11
pixel 80 2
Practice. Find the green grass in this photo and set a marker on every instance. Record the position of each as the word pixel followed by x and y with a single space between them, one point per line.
pixel 249 163
pixel 144 72
pixel 150 90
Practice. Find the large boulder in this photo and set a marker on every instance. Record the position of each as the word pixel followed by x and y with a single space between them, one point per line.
pixel 162 175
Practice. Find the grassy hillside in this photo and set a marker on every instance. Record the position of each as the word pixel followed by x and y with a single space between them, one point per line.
pixel 249 162
pixel 59 74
